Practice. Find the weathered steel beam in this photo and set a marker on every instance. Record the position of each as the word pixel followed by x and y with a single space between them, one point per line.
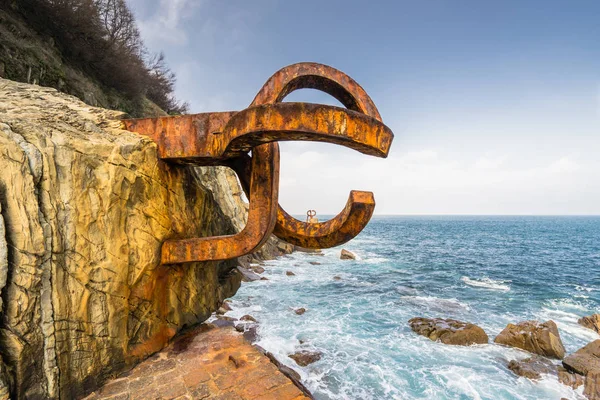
pixel 263 194
pixel 207 139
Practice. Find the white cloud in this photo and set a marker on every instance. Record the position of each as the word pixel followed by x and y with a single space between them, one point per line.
pixel 166 25
pixel 432 181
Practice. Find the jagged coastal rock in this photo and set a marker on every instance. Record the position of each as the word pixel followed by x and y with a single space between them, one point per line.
pixel 591 322
pixel 535 337
pixel 85 207
pixel 347 255
pixel 533 367
pixel 584 360
pixel 449 331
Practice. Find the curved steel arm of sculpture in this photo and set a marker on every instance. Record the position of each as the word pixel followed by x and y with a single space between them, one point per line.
pixel 338 230
pixel 263 194
pixel 209 139
pixel 360 205
pixel 303 122
pixel 307 75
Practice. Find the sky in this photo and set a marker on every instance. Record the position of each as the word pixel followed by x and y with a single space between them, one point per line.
pixel 495 105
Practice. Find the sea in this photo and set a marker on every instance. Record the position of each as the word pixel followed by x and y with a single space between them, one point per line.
pixel 489 271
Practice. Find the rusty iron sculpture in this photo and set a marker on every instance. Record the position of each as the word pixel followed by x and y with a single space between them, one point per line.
pixel 227 138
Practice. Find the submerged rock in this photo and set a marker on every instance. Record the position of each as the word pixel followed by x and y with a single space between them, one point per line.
pixel 535 337
pixel 347 255
pixel 533 367
pixel 290 273
pixel 569 378
pixel 314 263
pixel 591 322
pixel 300 311
pixel 248 276
pixel 584 360
pixel 305 357
pixel 248 318
pixel 449 331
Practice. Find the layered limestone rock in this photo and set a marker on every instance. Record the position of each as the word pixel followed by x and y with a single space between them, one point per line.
pixel 85 207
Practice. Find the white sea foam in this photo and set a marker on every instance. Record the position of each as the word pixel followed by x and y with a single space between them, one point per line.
pixel 436 304
pixel 486 283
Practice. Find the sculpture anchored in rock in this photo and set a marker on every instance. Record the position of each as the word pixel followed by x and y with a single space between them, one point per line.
pixel 227 138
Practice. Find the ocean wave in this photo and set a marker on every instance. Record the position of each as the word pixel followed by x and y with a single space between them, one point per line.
pixel 486 283
pixel 436 304
pixel 584 289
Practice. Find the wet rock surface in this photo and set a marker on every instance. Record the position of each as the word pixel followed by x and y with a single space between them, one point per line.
pixel 533 367
pixel 584 360
pixel 591 322
pixel 205 362
pixel 305 357
pixel 347 255
pixel 533 336
pixel 449 331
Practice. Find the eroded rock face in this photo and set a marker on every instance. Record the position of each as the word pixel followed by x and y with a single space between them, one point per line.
pixel 85 208
pixel 591 322
pixel 584 360
pixel 449 331
pixel 535 337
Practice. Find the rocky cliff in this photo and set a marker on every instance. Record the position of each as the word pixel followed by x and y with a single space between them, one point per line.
pixel 85 207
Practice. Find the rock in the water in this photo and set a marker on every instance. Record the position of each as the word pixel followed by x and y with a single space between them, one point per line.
pixel 535 337
pixel 532 367
pixel 248 318
pixel 224 308
pixel 304 357
pixel 347 255
pixel 337 278
pixel 314 263
pixel 247 275
pixel 584 360
pixel 258 269
pixel 290 273
pixel 569 378
pixel 300 311
pixel 592 385
pixel 449 331
pixel 317 252
pixel 591 322
pixel 251 333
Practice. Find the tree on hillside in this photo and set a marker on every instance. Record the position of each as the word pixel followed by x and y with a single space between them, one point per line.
pixel 101 38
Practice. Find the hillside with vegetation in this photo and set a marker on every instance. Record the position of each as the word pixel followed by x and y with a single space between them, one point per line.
pixel 91 49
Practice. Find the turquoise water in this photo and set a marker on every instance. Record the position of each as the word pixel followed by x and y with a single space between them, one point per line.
pixel 485 270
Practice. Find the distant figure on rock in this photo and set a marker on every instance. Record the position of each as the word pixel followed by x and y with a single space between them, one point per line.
pixel 311 217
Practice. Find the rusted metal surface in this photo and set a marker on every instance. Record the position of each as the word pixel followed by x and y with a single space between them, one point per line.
pixel 201 140
pixel 263 194
pixel 226 138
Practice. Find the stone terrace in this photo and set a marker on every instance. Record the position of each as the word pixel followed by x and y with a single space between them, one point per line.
pixel 207 362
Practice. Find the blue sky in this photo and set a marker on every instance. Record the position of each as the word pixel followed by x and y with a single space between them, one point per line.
pixel 495 105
